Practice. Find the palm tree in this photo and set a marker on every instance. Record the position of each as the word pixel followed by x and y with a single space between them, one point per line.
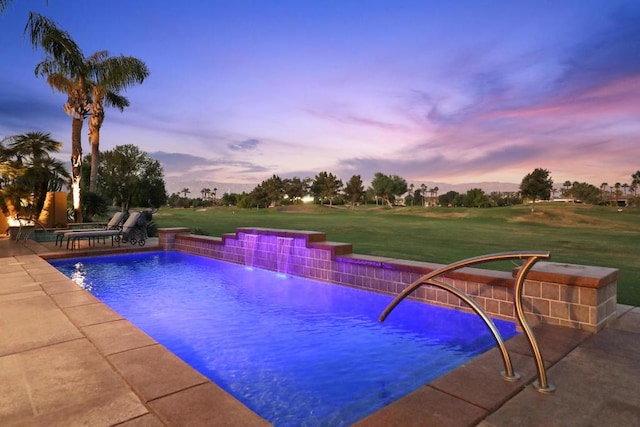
pixel 185 191
pixel 29 171
pixel 603 189
pixel 635 182
pixel 68 72
pixel 109 76
pixel 411 186
pixel 624 189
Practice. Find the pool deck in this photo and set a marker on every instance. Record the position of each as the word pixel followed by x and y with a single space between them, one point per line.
pixel 66 359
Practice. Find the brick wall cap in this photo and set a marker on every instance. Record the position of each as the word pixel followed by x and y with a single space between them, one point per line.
pixel 173 230
pixel 588 276
pixel 309 236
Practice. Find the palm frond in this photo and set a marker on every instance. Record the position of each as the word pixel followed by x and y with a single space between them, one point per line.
pixel 115 100
pixel 56 43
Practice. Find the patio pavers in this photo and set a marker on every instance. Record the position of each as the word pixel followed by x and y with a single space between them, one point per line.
pixel 31 320
pixel 64 384
pixel 67 359
pixel 598 384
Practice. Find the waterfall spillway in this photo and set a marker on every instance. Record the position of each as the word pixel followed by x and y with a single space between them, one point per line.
pixel 283 246
pixel 250 243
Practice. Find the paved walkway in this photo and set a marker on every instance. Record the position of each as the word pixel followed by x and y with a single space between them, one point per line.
pixel 67 359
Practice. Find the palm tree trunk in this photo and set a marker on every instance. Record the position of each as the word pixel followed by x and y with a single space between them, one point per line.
pixel 94 140
pixel 76 166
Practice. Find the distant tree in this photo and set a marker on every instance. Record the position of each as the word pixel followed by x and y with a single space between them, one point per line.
pixel 411 195
pixel 448 199
pixel 185 191
pixel 603 190
pixel 537 185
pixel 274 189
pixel 635 183
pixel 296 188
pixel 258 197
pixel 635 178
pixel 423 193
pixel 387 187
pixel 354 190
pixel 130 177
pixel 585 193
pixel 476 198
pixel 567 188
pixel 325 186
pixel 230 199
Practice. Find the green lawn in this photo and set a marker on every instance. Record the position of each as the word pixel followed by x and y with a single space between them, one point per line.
pixel 578 234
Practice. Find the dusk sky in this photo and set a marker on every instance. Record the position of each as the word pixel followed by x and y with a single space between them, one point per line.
pixel 434 91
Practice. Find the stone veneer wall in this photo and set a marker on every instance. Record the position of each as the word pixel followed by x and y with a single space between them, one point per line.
pixel 577 296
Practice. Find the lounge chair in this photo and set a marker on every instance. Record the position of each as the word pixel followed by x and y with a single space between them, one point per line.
pixel 115 223
pixel 134 229
pixel 74 237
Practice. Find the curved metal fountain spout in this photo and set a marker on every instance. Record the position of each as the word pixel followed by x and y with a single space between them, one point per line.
pixel 530 259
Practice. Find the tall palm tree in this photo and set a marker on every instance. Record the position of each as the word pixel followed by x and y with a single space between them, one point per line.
pixel 185 191
pixel 109 76
pixel 411 187
pixel 67 71
pixel 635 181
pixel 625 186
pixel 603 190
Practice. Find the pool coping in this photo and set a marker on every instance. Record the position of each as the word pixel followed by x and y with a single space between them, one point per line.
pixel 159 388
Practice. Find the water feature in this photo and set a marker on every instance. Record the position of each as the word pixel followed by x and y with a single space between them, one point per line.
pixel 296 351
pixel 283 250
pixel 250 243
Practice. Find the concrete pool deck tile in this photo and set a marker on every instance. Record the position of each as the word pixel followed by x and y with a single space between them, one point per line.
pixel 426 407
pixel 117 336
pixel 205 405
pixel 480 382
pixel 64 384
pixel 554 341
pixel 32 321
pixel 91 314
pixel 11 266
pixel 619 342
pixel 17 282
pixel 155 372
pixel 594 387
pixel 42 273
pixel 74 298
pixel 52 287
pixel 628 321
pixel 148 420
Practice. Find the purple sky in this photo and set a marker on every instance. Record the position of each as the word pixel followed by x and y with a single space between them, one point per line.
pixel 433 91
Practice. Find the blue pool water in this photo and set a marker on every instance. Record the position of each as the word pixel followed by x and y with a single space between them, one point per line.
pixel 296 351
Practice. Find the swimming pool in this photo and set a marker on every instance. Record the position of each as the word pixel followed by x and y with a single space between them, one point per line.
pixel 296 351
